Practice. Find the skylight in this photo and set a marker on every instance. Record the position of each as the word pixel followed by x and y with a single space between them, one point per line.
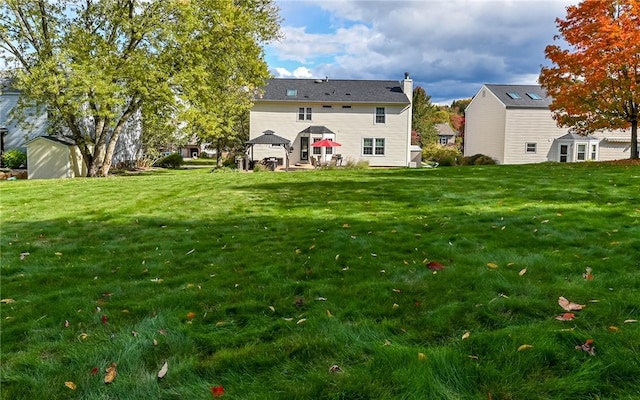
pixel 534 96
pixel 514 95
pixel 292 92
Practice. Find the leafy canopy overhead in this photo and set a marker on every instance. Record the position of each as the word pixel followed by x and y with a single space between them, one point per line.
pixel 595 83
pixel 100 66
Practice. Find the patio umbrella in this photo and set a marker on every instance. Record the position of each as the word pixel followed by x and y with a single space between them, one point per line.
pixel 325 143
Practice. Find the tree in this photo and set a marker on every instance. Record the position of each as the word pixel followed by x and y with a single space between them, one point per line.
pixel 423 116
pixel 595 84
pixel 99 64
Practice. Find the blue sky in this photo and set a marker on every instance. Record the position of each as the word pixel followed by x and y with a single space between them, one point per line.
pixel 449 47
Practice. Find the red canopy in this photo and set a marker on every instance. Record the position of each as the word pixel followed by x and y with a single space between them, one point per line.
pixel 325 143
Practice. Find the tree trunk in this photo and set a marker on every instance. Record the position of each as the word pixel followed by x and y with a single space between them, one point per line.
pixel 634 139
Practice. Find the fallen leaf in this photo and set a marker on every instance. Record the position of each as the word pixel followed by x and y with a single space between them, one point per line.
pixel 473 357
pixel 82 336
pixel 191 315
pixel 163 371
pixel 58 253
pixel 525 347
pixel 387 342
pixel 395 306
pixel 630 321
pixel 396 290
pixel 190 251
pixel 335 368
pixel 66 323
pixel 111 373
pixel 569 306
pixel 329 314
pixel 422 356
pixel 162 332
pixel 522 271
pixel 24 255
pixel 70 385
pixel 94 371
pixel 587 274
pixel 298 251
pixel 337 256
pixel 566 317
pixel 588 347
pixel 511 264
pixel 613 328
pixel 272 308
pixel 492 265
pixel 104 319
pixel 7 301
pixel 134 333
pixel 466 335
pixel 435 266
pixel 155 342
pixel 217 391
pixel 301 321
pixel 346 225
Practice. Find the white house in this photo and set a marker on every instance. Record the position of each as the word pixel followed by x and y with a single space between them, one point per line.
pixel 371 120
pixel 514 125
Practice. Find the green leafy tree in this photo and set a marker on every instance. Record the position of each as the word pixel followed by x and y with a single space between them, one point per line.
pixel 97 65
pixel 424 118
pixel 595 82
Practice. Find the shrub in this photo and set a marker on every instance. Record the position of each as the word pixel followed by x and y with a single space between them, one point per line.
pixel 443 155
pixel 477 159
pixel 14 159
pixel 353 164
pixel 173 160
pixel 257 167
pixel 484 160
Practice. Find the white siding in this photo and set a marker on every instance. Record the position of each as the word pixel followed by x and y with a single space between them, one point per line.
pixel 350 126
pixel 530 126
pixel 19 134
pixel 485 126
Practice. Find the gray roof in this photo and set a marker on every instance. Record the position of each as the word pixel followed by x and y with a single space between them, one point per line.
pixel 444 129
pixel 524 95
pixel 333 91
pixel 575 136
pixel 317 130
pixel 269 137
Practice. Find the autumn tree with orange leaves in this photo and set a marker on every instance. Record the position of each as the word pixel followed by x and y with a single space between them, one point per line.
pixel 595 82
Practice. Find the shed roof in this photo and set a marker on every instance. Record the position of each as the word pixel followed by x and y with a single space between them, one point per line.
pixel 521 96
pixel 67 141
pixel 333 90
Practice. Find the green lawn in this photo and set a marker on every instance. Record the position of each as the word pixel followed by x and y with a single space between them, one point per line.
pixel 313 285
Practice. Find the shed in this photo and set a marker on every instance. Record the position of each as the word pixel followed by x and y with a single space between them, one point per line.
pixel 52 157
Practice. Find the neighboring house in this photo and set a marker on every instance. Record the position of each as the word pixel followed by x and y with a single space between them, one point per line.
pixel 370 119
pixel 514 125
pixel 15 135
pixel 446 135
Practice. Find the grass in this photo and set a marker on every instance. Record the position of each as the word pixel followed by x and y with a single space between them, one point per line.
pixel 289 274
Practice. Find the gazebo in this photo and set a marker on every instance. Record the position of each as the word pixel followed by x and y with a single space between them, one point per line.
pixel 269 137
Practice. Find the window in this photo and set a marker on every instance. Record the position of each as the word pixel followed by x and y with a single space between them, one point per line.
pixel 534 96
pixel 373 146
pixel 327 106
pixel 531 147
pixel 346 106
pixel 292 92
pixel 514 95
pixel 317 150
pixel 594 151
pixel 380 115
pixel 443 140
pixel 304 114
pixel 582 152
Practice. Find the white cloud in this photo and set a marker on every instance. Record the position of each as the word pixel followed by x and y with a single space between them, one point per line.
pixel 443 44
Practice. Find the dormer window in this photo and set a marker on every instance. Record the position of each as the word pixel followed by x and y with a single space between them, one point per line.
pixel 292 92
